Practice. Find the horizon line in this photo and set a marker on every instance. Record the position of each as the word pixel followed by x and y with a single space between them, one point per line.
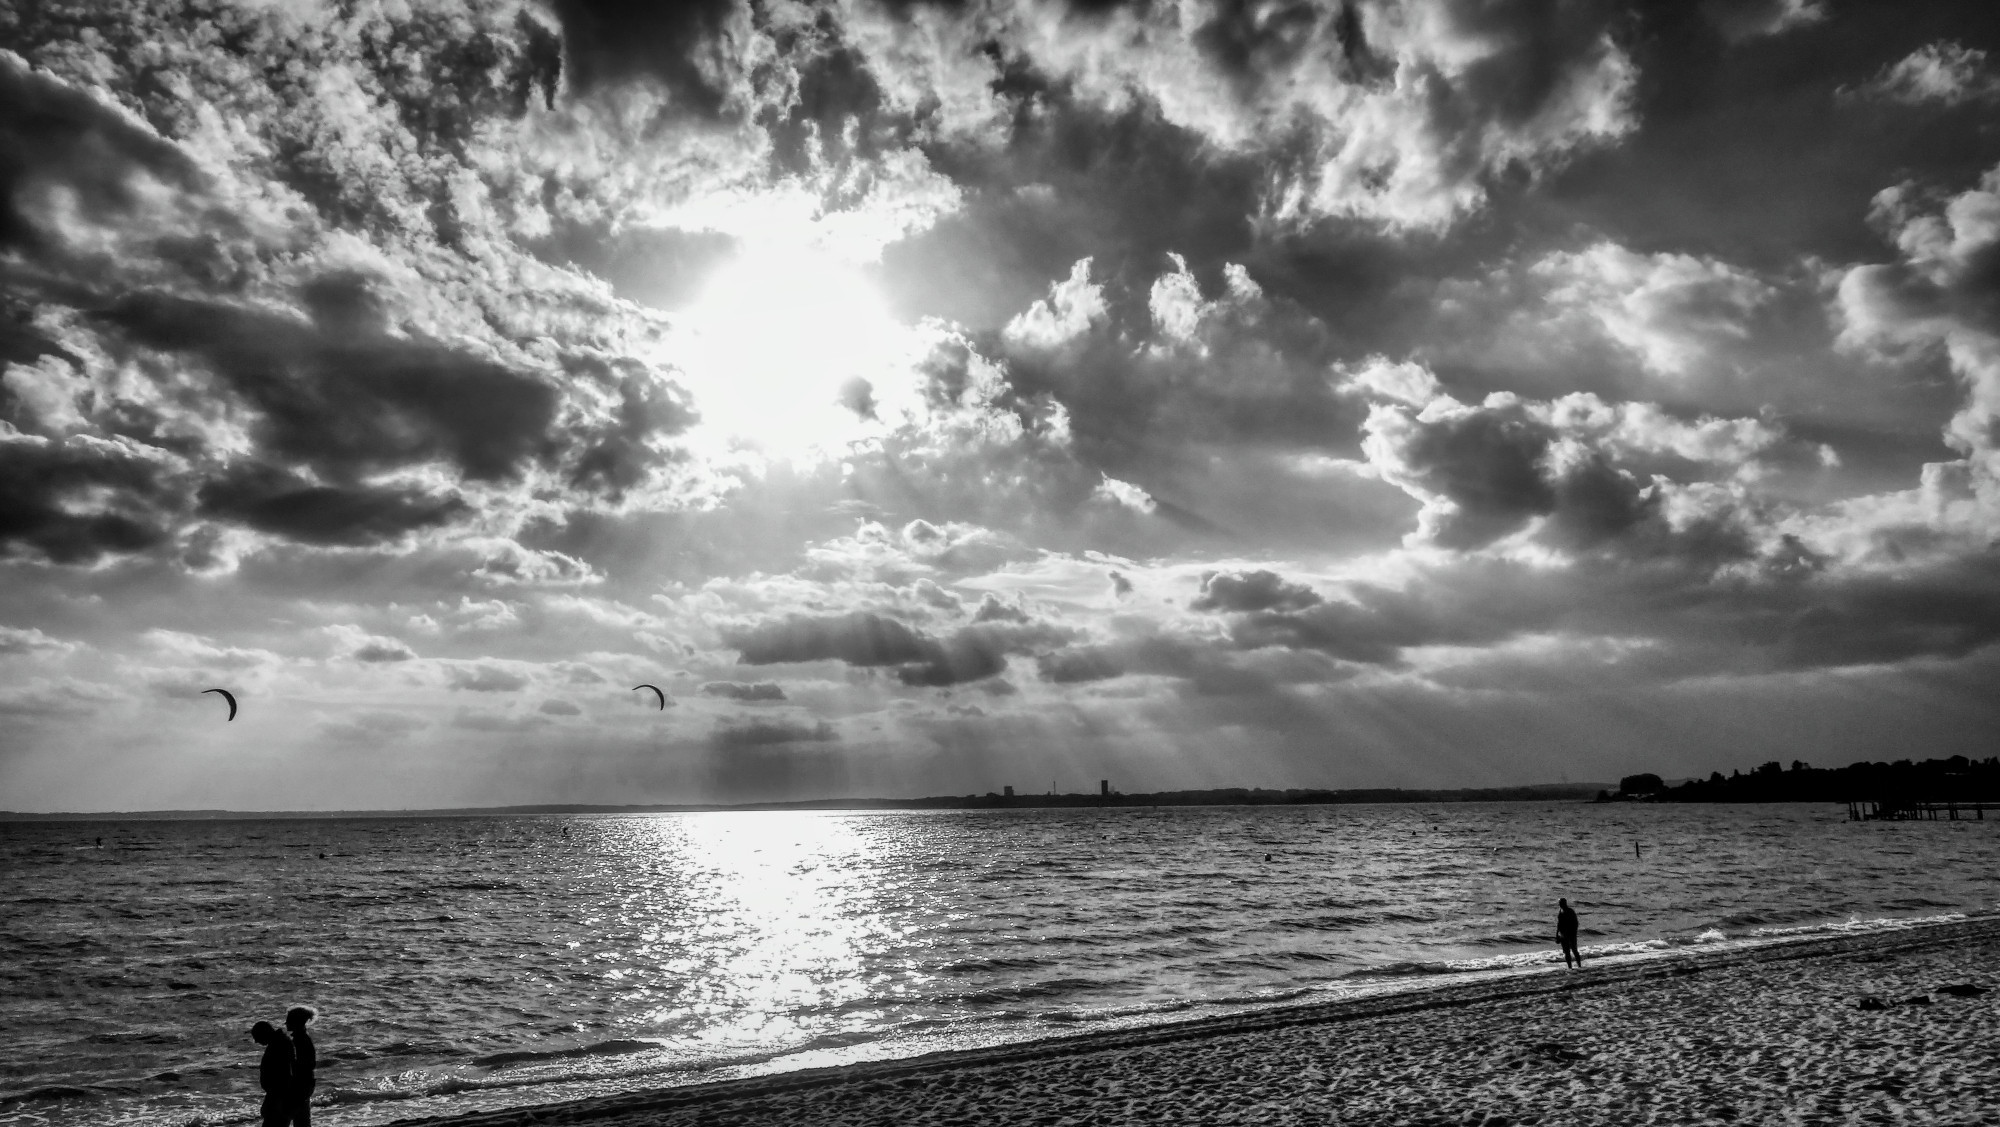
pixel 988 800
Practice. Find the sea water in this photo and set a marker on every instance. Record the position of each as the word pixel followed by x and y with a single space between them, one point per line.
pixel 471 963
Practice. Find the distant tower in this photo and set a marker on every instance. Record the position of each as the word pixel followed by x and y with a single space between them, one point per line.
pixel 1010 792
pixel 1104 788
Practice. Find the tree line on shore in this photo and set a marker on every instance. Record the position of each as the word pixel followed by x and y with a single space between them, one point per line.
pixel 1956 779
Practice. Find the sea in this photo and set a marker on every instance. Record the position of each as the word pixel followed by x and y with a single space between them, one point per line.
pixel 472 963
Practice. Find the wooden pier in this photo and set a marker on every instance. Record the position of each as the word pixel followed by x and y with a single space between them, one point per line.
pixel 1890 811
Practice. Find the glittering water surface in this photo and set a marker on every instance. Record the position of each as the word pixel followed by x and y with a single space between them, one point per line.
pixel 464 963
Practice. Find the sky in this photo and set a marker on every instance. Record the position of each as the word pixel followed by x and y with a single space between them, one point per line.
pixel 930 397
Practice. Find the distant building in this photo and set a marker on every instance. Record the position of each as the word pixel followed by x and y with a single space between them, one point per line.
pixel 1104 788
pixel 1010 792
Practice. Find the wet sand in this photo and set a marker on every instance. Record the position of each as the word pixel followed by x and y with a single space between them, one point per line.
pixel 1770 1035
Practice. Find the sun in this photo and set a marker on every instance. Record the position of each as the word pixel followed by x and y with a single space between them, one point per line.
pixel 775 340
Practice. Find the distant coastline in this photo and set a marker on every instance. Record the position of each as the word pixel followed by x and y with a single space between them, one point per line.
pixel 1228 796
pixel 1956 778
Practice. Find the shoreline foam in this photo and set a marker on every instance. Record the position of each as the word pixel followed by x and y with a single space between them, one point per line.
pixel 1701 986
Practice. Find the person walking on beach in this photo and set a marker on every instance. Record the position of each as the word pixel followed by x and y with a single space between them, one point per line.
pixel 274 1073
pixel 1566 933
pixel 305 1060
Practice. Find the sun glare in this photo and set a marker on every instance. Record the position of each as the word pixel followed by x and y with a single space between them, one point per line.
pixel 773 340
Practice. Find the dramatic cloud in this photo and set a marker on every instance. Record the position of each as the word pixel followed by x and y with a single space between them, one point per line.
pixel 930 397
pixel 1944 294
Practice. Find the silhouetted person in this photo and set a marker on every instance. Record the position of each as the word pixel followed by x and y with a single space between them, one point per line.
pixel 274 1073
pixel 1566 933
pixel 305 1059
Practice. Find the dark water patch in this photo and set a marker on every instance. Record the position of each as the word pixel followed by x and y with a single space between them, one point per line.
pixel 840 1040
pixel 1333 922
pixel 50 1093
pixel 987 966
pixel 600 1049
pixel 1049 988
pixel 1516 938
pixel 420 1048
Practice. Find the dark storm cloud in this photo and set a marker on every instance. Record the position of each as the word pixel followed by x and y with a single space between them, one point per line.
pixel 53 137
pixel 1196 667
pixel 869 640
pixel 738 690
pixel 762 733
pixel 1078 665
pixel 1745 150
pixel 991 609
pixel 284 504
pixel 344 396
pixel 341 397
pixel 377 651
pixel 1155 390
pixel 857 639
pixel 835 118
pixel 1788 611
pixel 688 47
pixel 1487 465
pixel 1121 187
pixel 1949 610
pixel 1487 472
pixel 1248 41
pixel 73 500
pixel 617 457
pixel 1252 591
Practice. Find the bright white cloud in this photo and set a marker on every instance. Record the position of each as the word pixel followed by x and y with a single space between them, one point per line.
pixel 1944 73
pixel 1670 310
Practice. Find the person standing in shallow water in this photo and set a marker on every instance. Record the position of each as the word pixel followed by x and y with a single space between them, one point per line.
pixel 274 1073
pixel 305 1060
pixel 1566 933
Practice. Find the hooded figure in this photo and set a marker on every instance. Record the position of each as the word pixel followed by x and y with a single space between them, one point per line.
pixel 305 1060
pixel 274 1073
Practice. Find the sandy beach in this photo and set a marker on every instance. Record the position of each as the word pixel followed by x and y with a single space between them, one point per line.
pixel 1772 1035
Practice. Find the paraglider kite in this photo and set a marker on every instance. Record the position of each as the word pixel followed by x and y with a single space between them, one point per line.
pixel 656 692
pixel 228 696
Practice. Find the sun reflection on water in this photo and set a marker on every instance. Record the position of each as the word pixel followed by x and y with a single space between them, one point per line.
pixel 751 924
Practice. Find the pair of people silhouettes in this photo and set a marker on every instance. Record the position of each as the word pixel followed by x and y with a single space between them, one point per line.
pixel 1566 933
pixel 287 1072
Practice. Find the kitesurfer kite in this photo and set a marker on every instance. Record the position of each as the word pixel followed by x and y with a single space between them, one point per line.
pixel 656 692
pixel 228 696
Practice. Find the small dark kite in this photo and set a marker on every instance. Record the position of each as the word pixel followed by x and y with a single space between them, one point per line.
pixel 228 696
pixel 656 692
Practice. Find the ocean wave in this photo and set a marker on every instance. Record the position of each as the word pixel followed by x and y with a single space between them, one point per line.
pixel 50 1093
pixel 601 1048
pixel 985 966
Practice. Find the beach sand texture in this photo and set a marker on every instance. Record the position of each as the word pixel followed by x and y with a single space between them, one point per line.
pixel 1772 1035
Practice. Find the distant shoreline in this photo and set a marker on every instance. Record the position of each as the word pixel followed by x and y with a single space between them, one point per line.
pixel 1232 796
